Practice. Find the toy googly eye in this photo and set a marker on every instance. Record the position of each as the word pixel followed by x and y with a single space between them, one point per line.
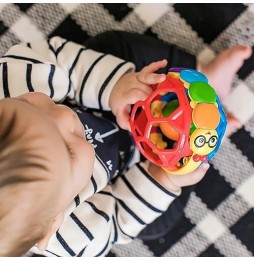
pixel 212 141
pixel 200 141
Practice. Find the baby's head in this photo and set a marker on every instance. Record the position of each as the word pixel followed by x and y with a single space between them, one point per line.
pixel 45 162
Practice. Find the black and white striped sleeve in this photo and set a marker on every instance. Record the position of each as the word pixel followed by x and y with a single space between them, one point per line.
pixel 61 69
pixel 113 215
pixel 139 201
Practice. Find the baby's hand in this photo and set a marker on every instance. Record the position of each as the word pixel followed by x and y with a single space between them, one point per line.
pixel 131 88
pixel 174 183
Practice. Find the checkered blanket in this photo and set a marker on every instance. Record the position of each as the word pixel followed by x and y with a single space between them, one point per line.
pixel 218 219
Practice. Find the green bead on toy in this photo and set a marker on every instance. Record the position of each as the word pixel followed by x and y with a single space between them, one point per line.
pixel 202 92
pixel 170 107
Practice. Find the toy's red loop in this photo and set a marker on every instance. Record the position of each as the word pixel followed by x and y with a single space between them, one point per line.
pixel 142 121
pixel 176 126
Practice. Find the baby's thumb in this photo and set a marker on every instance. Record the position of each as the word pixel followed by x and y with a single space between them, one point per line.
pixel 136 95
pixel 122 118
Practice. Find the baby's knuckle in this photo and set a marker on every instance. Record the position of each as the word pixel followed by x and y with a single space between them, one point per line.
pixel 195 177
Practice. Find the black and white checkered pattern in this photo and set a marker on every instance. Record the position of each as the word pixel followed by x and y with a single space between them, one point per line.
pixel 218 219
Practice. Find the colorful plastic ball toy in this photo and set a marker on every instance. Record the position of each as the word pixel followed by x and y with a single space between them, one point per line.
pixel 181 124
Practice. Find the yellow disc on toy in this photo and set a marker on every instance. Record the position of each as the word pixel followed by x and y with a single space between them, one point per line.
pixel 174 75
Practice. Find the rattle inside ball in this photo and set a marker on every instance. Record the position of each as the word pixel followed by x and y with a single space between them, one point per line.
pixel 181 124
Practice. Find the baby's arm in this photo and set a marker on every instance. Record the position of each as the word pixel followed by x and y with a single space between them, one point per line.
pixel 102 215
pixel 61 69
pixel 144 193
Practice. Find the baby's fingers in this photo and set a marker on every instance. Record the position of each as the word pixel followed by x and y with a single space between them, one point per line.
pixel 147 75
pixel 192 178
pixel 151 78
pixel 153 67
pixel 131 97
pixel 123 117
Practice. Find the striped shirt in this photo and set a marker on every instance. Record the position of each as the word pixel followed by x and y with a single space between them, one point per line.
pixel 105 212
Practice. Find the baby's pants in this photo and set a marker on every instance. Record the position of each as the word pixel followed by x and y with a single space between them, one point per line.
pixel 140 49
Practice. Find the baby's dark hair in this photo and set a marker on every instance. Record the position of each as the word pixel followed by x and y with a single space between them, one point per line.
pixel 17 232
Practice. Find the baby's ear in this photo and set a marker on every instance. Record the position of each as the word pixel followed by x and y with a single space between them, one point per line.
pixel 57 222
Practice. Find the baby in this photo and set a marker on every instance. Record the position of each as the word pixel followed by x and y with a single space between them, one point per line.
pixel 67 188
pixel 69 194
